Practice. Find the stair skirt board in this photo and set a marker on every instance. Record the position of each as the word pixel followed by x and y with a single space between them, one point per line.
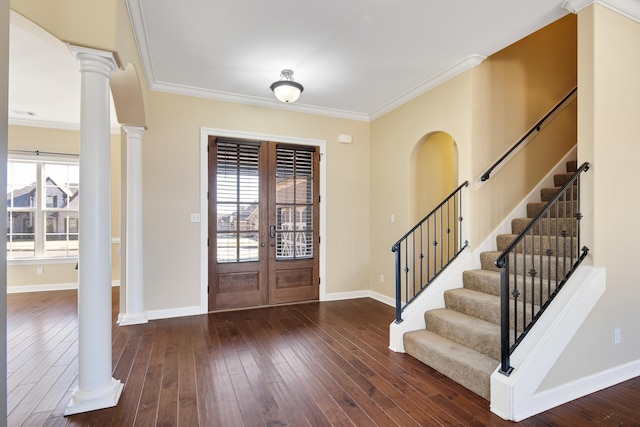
pixel 524 393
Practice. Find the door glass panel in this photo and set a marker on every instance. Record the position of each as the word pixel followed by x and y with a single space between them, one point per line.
pixel 294 203
pixel 237 197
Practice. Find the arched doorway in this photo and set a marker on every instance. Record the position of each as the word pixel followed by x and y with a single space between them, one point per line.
pixel 434 172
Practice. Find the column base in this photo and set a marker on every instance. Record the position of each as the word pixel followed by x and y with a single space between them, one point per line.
pixel 85 401
pixel 132 319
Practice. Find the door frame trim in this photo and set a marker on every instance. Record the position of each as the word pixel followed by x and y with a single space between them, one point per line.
pixel 205 132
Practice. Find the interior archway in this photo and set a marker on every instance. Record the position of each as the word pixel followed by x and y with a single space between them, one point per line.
pixel 434 172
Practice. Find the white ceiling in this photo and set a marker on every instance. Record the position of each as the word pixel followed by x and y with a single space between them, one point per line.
pixel 357 59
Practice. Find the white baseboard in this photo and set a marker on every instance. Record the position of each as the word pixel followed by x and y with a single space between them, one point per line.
pixel 173 312
pixel 337 296
pixel 49 287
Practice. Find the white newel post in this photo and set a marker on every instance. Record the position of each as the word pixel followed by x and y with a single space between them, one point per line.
pixel 96 387
pixel 134 291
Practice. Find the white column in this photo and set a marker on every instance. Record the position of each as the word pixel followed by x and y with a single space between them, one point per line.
pixel 96 388
pixel 134 291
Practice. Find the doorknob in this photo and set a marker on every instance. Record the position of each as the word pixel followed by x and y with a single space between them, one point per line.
pixel 272 231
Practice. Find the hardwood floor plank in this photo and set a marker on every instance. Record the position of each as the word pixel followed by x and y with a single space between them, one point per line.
pixel 208 413
pixel 316 391
pixel 187 396
pixel 288 404
pixel 147 411
pixel 246 400
pixel 27 405
pixel 230 414
pixel 130 398
pixel 66 380
pixel 269 409
pixel 313 412
pixel 312 364
pixel 56 421
pixel 168 405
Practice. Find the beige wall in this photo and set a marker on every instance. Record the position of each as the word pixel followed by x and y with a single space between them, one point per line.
pixel 432 176
pixel 62 141
pixel 485 110
pixel 609 129
pixel 394 138
pixel 513 89
pixel 171 182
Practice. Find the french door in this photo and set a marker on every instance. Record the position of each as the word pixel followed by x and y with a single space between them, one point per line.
pixel 263 223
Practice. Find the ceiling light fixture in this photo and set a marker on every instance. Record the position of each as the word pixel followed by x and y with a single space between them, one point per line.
pixel 285 89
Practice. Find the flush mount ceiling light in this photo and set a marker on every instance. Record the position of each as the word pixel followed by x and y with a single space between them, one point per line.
pixel 285 89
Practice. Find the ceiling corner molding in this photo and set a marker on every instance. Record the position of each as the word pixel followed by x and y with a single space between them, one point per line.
pixel 627 8
pixel 140 36
pixel 459 67
pixel 256 101
pixel 35 123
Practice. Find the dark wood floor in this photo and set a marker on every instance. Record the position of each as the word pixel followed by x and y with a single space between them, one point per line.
pixel 316 364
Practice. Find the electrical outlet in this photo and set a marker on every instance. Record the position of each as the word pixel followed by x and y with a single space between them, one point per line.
pixel 195 217
pixel 39 271
pixel 382 278
pixel 616 336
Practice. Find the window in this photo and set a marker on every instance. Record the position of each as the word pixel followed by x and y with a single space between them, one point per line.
pixel 42 208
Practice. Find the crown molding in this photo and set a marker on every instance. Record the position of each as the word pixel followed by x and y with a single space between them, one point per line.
pixel 35 123
pixel 140 36
pixel 256 101
pixel 627 8
pixel 459 67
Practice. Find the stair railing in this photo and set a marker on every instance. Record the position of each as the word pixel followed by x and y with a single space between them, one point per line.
pixel 530 281
pixel 530 133
pixel 427 249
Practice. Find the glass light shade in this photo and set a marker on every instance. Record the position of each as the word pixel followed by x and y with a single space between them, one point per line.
pixel 287 90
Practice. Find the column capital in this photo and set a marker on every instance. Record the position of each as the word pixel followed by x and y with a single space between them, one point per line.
pixel 628 8
pixel 94 60
pixel 133 131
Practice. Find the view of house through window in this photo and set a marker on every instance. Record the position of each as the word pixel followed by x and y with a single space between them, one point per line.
pixel 42 209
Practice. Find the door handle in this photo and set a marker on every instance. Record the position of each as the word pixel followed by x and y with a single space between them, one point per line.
pixel 272 231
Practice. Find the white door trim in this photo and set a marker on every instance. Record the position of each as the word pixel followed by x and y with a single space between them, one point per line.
pixel 204 212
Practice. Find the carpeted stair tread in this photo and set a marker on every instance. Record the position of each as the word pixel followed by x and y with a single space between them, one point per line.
pixel 461 364
pixel 488 281
pixel 572 166
pixel 538 244
pixel 477 334
pixel 474 303
pixel 547 194
pixel 487 307
pixel 548 225
pixel 560 209
pixel 561 179
pixel 524 264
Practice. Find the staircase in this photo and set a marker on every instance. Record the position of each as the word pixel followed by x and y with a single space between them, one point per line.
pixel 462 340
